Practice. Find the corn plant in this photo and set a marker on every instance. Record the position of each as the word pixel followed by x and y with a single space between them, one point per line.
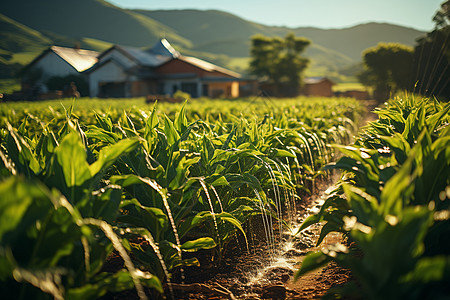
pixel 393 202
pixel 153 187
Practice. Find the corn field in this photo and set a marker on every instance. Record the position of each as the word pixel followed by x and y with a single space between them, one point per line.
pixel 84 185
pixel 155 185
pixel 392 204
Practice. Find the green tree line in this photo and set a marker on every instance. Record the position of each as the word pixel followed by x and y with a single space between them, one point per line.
pixel 423 69
pixel 278 62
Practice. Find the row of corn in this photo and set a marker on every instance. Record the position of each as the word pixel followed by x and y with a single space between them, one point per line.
pixel 392 204
pixel 81 191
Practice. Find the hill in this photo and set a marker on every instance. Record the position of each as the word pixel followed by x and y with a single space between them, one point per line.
pixel 219 32
pixel 29 26
pixel 16 37
pixel 354 40
pixel 95 19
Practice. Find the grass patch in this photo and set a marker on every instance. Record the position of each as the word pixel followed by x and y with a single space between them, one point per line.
pixel 239 63
pixel 7 86
pixel 98 45
pixel 25 58
pixel 352 86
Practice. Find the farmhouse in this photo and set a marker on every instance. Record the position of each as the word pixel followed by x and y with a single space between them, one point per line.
pixel 123 71
pixel 318 86
pixel 56 61
pixel 131 72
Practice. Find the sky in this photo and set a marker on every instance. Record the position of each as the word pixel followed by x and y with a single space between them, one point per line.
pixel 325 14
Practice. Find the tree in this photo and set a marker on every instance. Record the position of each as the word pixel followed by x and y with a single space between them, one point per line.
pixel 442 16
pixel 388 69
pixel 432 58
pixel 279 61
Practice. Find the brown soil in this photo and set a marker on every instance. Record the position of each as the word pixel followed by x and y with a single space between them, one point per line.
pixel 370 105
pixel 253 276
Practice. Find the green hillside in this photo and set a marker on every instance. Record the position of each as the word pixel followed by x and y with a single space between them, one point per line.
pixel 213 31
pixel 95 19
pixel 29 26
pixel 204 27
pixel 220 32
pixel 20 44
pixel 352 41
pixel 16 37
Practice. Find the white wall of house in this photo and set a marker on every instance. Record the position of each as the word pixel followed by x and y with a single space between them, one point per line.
pixel 53 65
pixel 119 57
pixel 109 72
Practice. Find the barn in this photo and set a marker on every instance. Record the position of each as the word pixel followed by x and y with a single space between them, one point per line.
pixel 122 71
pixel 198 78
pixel 56 62
pixel 131 72
pixel 318 86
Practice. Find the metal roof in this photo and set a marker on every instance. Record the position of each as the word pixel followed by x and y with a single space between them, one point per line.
pixel 162 52
pixel 78 58
pixel 207 66
pixel 145 58
pixel 163 47
pixel 314 80
pixel 219 79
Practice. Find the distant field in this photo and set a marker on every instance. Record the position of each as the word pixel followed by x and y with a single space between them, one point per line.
pixel 85 103
pixel 104 105
pixel 96 44
pixel 355 86
pixel 24 58
pixel 239 63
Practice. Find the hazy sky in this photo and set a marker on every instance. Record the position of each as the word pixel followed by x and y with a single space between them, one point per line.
pixel 317 13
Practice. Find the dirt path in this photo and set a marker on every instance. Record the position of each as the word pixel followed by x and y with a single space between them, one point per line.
pixel 262 275
pixel 369 105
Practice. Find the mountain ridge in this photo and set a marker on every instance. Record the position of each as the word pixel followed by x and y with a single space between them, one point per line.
pixel 214 35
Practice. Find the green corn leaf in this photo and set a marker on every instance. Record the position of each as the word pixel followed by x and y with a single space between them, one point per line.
pixel 363 205
pixel 21 153
pixel 434 120
pixel 170 131
pixel 198 244
pixel 227 142
pixel 117 282
pixel 283 153
pixel 101 134
pixel 71 156
pixel 190 262
pixel 16 199
pixel 216 180
pixel 312 261
pixel 181 122
pixel 310 220
pixel 397 192
pixel 108 155
pixel 429 269
pixel 232 220
pixel 104 122
pixel 330 226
